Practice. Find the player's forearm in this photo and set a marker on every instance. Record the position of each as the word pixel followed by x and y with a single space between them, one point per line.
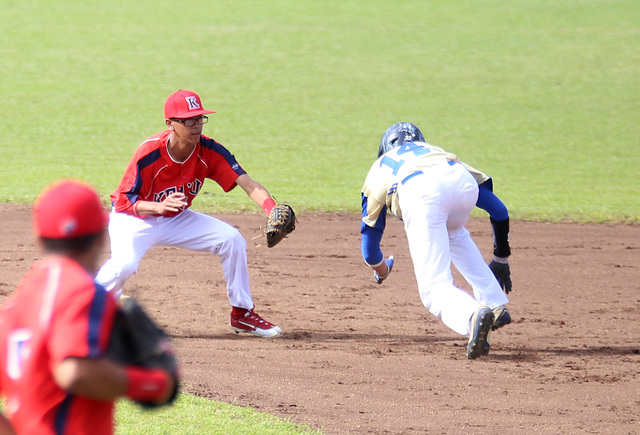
pixel 103 379
pixel 499 217
pixel 173 203
pixel 382 269
pixel 370 247
pixel 99 379
pixel 145 208
pixel 254 190
pixel 501 248
pixel 259 196
pixel 5 426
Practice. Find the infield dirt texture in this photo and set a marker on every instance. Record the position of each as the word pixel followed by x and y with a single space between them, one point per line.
pixel 361 358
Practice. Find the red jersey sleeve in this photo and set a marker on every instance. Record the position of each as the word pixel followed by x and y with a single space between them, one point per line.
pixel 224 169
pixel 84 320
pixel 137 180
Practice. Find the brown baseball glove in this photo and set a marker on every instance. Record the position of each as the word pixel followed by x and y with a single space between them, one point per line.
pixel 281 222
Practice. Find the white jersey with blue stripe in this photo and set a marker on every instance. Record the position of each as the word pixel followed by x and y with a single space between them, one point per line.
pixel 398 165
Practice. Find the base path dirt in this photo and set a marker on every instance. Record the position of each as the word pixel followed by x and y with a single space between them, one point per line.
pixel 357 357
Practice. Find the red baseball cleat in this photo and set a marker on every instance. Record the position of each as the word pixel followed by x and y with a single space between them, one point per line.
pixel 243 320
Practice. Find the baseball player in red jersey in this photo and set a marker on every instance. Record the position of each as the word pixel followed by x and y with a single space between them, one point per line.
pixel 55 328
pixel 151 207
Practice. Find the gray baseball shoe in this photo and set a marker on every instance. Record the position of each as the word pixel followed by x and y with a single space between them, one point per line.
pixel 481 324
pixel 502 317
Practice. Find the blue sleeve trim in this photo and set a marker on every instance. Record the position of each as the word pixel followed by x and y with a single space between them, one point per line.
pixel 62 416
pixel 489 202
pixel 145 161
pixel 222 151
pixel 96 319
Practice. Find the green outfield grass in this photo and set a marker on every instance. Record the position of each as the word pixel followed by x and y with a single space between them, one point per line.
pixel 542 95
pixel 196 415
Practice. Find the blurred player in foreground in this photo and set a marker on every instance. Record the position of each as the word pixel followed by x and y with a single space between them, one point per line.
pixel 151 207
pixel 433 193
pixel 56 327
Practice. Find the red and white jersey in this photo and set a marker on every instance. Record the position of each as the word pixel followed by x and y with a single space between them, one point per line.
pixel 56 312
pixel 152 174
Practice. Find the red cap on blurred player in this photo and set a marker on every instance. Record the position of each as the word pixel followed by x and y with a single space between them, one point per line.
pixel 184 104
pixel 67 209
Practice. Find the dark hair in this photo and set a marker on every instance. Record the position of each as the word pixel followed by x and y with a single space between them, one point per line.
pixel 71 245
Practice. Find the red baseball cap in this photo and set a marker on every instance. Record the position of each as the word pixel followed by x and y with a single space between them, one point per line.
pixel 68 208
pixel 184 104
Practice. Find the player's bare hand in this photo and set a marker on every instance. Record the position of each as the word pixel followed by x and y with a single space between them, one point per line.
pixel 174 202
pixel 381 272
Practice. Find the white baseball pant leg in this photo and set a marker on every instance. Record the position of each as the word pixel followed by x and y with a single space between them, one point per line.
pixel 435 207
pixel 469 261
pixel 131 238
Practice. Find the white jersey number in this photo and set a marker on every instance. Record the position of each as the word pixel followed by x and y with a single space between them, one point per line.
pixel 18 350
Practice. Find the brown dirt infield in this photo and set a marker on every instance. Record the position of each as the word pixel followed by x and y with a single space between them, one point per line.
pixel 361 358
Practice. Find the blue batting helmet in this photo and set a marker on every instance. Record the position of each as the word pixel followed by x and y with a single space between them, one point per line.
pixel 397 134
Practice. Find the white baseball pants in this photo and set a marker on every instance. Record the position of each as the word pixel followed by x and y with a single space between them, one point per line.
pixel 435 208
pixel 131 238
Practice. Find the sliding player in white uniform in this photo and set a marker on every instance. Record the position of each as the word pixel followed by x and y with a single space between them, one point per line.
pixel 433 193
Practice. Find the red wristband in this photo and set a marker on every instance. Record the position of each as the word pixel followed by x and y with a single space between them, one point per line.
pixel 146 385
pixel 268 205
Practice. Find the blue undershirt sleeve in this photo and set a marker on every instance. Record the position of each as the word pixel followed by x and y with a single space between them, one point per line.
pixel 371 236
pixel 488 201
